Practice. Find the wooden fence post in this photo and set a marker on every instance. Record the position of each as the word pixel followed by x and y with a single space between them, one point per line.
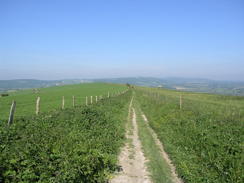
pixel 63 102
pixel 180 101
pixel 38 105
pixel 11 114
pixel 86 101
pixel 96 99
pixel 91 99
pixel 73 101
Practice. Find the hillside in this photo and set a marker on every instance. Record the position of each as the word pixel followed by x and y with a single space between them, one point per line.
pixel 19 84
pixel 185 84
pixel 51 97
pixel 235 88
pixel 202 133
pixel 162 135
pixel 78 144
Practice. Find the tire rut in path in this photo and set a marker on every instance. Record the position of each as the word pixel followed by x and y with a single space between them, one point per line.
pixel 132 159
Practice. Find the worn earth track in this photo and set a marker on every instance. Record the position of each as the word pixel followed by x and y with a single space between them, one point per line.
pixel 131 159
pixel 175 177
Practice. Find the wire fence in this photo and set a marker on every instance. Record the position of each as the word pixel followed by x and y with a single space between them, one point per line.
pixel 39 104
pixel 228 109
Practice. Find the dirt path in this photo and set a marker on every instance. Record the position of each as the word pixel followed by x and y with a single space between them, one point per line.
pixel 175 178
pixel 131 159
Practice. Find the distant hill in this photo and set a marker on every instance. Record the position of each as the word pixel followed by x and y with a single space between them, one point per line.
pixel 19 84
pixel 183 84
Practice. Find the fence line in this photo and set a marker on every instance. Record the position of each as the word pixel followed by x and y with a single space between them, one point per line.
pixel 180 101
pixel 11 114
pixel 63 102
pixel 38 101
pixel 73 97
pixel 183 99
pixel 38 105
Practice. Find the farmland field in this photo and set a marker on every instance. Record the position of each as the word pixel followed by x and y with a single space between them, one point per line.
pixel 204 138
pixel 51 98
pixel 73 145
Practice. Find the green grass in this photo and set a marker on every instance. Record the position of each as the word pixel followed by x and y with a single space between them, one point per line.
pixel 51 98
pixel 158 168
pixel 73 145
pixel 204 139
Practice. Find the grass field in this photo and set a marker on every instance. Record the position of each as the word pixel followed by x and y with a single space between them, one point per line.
pixel 73 145
pixel 204 139
pixel 51 98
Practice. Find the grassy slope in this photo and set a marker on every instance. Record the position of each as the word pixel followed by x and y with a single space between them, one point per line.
pixel 51 98
pixel 73 145
pixel 204 139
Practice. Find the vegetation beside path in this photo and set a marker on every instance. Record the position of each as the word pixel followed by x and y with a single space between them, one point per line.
pixel 202 133
pixel 72 145
pixel 204 138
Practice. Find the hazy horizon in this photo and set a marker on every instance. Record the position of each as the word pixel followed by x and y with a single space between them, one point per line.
pixel 51 40
pixel 133 77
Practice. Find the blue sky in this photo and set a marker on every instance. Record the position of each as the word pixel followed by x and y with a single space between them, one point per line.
pixel 56 39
